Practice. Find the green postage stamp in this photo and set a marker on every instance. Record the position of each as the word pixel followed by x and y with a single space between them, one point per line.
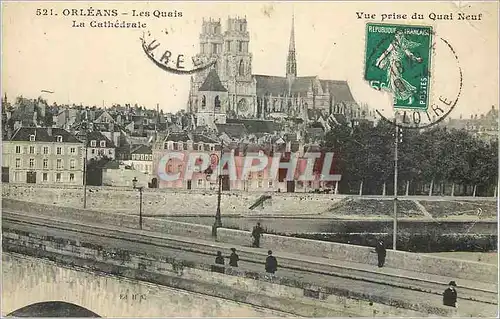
pixel 397 60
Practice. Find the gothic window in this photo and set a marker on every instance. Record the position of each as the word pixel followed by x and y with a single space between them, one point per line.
pixel 241 27
pixel 217 102
pixel 203 101
pixel 240 46
pixel 241 68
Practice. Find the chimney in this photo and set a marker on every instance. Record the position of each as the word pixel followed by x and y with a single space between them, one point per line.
pixel 49 131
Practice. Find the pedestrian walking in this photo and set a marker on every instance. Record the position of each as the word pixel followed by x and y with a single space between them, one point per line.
pixel 271 263
pixel 381 253
pixel 450 295
pixel 233 258
pixel 256 234
pixel 219 260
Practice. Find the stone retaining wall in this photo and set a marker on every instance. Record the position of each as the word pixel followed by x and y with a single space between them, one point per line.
pixel 395 259
pixel 292 296
pixel 170 202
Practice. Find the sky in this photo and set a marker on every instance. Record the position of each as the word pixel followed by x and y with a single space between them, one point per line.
pixel 93 66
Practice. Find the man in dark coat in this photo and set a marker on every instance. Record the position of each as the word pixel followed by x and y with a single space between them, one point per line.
pixel 271 263
pixel 219 260
pixel 233 258
pixel 380 250
pixel 450 295
pixel 256 233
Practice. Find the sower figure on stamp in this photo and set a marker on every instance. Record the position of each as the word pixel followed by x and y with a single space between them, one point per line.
pixel 450 295
pixel 381 252
pixel 391 61
pixel 256 234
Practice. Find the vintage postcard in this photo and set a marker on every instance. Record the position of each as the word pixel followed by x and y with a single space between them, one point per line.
pixel 250 159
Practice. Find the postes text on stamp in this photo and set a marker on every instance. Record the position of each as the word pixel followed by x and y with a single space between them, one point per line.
pixel 398 60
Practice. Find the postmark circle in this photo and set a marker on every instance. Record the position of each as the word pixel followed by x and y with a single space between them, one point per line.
pixel 443 92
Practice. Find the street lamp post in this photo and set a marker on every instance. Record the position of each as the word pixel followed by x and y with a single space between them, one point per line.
pixel 218 219
pixel 85 165
pixel 395 223
pixel 140 188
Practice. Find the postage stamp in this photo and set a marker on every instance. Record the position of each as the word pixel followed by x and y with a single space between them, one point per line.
pixel 398 60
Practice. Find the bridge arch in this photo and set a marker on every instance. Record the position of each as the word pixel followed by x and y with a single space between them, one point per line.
pixel 53 309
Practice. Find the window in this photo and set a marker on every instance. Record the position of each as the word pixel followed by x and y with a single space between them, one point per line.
pixel 260 184
pixel 17 176
pixel 18 162
pixel 93 143
pixel 214 47
pixel 203 101
pixel 32 162
pixel 32 150
pixel 176 146
pixel 44 177
pixel 59 150
pixel 58 177
pixel 270 183
pixel 72 150
pixel 103 144
pixel 72 163
pixel 200 147
pixel 45 150
pixel 59 138
pixel 217 102
pixel 18 149
pixel 92 151
pixel 142 157
pixel 110 152
pixel 59 163
pixel 71 177
pixel 45 163
pixel 32 138
pixel 212 147
pixel 241 68
pixel 200 182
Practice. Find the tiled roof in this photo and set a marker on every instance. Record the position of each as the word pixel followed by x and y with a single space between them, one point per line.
pixel 142 149
pixel 233 130
pixel 255 126
pixel 42 135
pixel 314 114
pixel 302 84
pixel 98 136
pixel 339 89
pixel 212 83
pixel 274 85
pixel 197 138
pixel 178 137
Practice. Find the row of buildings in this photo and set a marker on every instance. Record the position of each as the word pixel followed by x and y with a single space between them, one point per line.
pixel 227 105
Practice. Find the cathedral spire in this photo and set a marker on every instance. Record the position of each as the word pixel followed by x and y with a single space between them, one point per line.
pixel 291 62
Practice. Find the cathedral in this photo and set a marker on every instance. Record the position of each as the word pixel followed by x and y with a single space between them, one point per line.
pixel 230 90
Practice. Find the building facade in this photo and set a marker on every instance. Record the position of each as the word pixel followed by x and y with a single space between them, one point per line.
pixel 43 156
